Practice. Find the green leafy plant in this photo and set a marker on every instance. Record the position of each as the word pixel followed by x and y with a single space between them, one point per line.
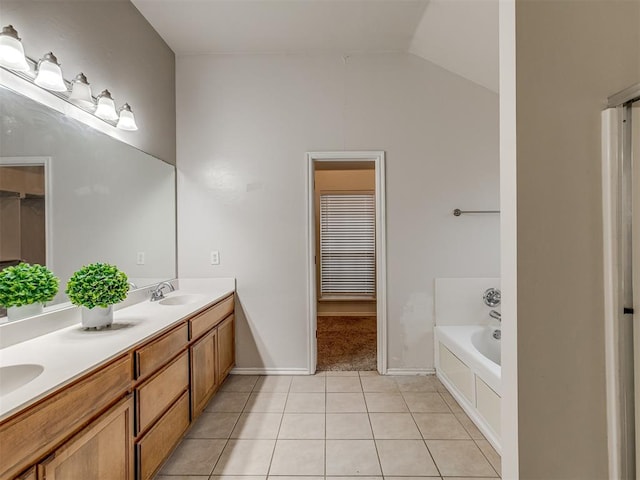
pixel 97 285
pixel 24 284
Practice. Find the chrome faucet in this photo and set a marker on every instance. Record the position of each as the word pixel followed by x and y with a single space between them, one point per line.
pixel 496 315
pixel 158 294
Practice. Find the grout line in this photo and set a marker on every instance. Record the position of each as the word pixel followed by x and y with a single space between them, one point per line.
pixel 485 456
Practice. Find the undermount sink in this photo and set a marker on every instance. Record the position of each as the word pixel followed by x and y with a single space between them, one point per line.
pixel 181 300
pixel 13 377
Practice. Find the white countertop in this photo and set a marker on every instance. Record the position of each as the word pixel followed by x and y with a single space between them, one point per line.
pixel 69 352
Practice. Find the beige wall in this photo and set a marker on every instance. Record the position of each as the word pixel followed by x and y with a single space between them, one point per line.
pixel 328 181
pixel 116 48
pixel 571 55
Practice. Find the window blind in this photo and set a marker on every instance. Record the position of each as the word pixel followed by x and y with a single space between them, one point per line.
pixel 347 245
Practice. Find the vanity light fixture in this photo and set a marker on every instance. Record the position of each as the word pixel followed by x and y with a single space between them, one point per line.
pixel 127 121
pixel 12 51
pixel 49 74
pixel 81 92
pixel 106 107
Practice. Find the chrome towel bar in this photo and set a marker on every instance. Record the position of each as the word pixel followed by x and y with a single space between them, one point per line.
pixel 457 212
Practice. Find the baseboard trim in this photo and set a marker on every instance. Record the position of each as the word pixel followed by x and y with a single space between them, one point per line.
pixel 269 371
pixel 346 314
pixel 411 371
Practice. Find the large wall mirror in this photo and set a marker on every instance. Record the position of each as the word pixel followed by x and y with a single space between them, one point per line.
pixel 70 195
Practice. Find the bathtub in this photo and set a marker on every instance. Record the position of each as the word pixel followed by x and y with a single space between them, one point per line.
pixel 468 363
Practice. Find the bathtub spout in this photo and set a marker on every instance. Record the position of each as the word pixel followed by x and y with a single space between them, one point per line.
pixel 496 315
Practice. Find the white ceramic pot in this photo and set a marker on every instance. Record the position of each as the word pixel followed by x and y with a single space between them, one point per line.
pixel 18 313
pixel 97 317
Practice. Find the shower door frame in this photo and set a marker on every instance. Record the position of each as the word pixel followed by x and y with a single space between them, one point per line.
pixel 617 195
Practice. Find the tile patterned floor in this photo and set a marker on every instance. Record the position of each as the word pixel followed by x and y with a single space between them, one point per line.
pixel 332 426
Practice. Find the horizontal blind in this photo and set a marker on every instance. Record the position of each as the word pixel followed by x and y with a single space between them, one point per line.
pixel 347 245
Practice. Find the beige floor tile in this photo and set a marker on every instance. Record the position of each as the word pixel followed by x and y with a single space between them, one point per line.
pixel 491 454
pixel 308 384
pixel 352 457
pixel 181 477
pixel 385 402
pixel 346 403
pixel 194 457
pixel 459 458
pixel 256 425
pixel 295 477
pixel 305 403
pixel 427 402
pixel 351 478
pixel 344 384
pixel 341 373
pixel 213 425
pixel 416 383
pixel 266 402
pixel 469 426
pixel 368 373
pixel 405 458
pixel 379 384
pixel 298 457
pixel 440 426
pixel 354 426
pixel 237 477
pixel 245 457
pixel 227 402
pixel 302 426
pixel 273 383
pixel 239 383
pixel 411 478
pixel 451 402
pixel 470 478
pixel 394 426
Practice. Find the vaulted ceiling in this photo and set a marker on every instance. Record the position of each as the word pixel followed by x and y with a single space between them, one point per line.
pixel 459 35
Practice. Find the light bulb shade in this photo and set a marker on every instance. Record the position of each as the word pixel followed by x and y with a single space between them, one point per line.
pixel 11 50
pixel 127 121
pixel 106 107
pixel 81 92
pixel 49 74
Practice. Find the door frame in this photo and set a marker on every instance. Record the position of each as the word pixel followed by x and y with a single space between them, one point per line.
pixel 48 196
pixel 378 157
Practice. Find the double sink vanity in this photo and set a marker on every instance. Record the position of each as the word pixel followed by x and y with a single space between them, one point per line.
pixel 113 403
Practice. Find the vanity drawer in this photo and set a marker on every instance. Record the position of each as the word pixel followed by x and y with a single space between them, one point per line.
pixel 157 352
pixel 23 438
pixel 208 319
pixel 163 436
pixel 160 391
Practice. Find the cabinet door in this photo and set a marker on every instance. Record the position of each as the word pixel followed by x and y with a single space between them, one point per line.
pixel 29 475
pixel 204 378
pixel 226 347
pixel 102 451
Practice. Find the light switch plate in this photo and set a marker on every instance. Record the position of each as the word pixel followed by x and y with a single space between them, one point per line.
pixel 215 257
pixel 140 258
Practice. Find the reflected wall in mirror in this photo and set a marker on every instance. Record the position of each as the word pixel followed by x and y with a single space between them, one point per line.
pixel 105 200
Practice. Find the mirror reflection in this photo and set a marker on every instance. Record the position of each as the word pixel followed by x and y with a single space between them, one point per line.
pixel 70 195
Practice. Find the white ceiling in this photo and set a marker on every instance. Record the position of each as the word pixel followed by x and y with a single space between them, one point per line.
pixel 459 35
pixel 277 26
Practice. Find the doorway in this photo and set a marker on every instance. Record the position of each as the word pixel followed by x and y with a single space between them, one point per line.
pixel 347 270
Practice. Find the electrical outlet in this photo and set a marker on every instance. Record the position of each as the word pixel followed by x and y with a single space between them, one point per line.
pixel 215 257
pixel 140 258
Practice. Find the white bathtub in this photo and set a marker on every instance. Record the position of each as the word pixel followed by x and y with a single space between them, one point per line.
pixel 468 364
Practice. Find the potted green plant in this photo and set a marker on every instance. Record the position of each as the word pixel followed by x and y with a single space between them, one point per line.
pixel 24 288
pixel 96 288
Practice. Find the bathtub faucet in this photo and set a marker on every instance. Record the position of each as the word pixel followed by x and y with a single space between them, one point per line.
pixel 496 315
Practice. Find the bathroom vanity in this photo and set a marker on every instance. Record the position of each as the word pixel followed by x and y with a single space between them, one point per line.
pixel 152 375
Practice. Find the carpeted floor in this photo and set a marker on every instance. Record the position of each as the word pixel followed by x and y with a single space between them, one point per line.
pixel 347 343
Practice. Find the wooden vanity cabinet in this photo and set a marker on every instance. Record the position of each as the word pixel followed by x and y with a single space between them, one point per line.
pixel 103 450
pixel 212 352
pixel 122 420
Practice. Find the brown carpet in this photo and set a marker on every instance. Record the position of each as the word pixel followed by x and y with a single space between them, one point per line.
pixel 347 343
